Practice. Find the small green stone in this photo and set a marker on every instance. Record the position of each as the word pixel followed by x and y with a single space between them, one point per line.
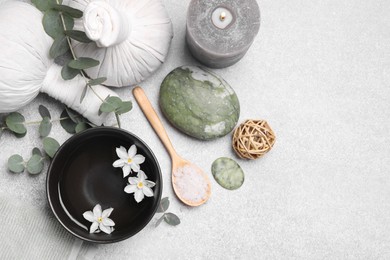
pixel 199 103
pixel 227 173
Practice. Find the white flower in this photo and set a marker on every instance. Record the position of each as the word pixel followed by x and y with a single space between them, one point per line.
pixel 128 160
pixel 100 220
pixel 140 186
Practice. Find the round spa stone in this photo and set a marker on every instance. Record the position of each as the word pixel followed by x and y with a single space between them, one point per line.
pixel 227 173
pixel 199 103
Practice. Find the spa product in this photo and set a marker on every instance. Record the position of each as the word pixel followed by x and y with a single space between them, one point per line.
pixel 131 38
pixel 227 173
pixel 26 68
pixel 190 183
pixel 220 32
pixel 199 103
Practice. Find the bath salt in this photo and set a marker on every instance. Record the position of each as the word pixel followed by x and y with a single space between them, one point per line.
pixel 191 184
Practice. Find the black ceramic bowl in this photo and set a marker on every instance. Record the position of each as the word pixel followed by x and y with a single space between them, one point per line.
pixel 81 175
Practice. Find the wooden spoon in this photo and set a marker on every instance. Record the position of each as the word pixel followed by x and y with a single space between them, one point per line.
pixel 190 183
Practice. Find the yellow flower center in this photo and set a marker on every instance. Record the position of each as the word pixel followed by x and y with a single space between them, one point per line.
pixel 129 160
pixel 140 185
pixel 100 219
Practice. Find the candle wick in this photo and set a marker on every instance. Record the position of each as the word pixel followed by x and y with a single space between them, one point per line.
pixel 222 16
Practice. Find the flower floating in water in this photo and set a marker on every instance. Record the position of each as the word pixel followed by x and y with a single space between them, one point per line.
pixel 100 220
pixel 140 186
pixel 128 160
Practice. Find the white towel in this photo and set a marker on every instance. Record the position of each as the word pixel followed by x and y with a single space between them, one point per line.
pixel 28 232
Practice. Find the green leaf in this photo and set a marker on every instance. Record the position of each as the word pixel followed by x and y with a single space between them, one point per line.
pixel 67 123
pixel 43 5
pixel 45 127
pixel 78 36
pixel 59 47
pixel 73 115
pixel 52 23
pixel 159 220
pixel 50 146
pixel 171 219
pixel 164 204
pixel 124 107
pixel 16 163
pixel 83 93
pixel 35 164
pixel 81 127
pixel 98 81
pixel 83 63
pixel 110 104
pixel 68 73
pixel 36 151
pixel 68 10
pixel 1 131
pixel 15 122
pixel 44 112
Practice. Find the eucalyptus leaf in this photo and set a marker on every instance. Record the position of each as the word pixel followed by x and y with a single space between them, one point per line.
pixel 43 5
pixel 110 104
pixel 16 123
pixel 78 36
pixel 16 163
pixel 50 146
pixel 83 63
pixel 52 23
pixel 68 73
pixel 44 112
pixel 59 47
pixel 45 127
pixel 85 89
pixel 67 123
pixel 36 151
pixel 81 127
pixel 1 131
pixel 98 81
pixel 73 115
pixel 68 10
pixel 164 205
pixel 171 219
pixel 20 135
pixel 159 220
pixel 124 107
pixel 35 164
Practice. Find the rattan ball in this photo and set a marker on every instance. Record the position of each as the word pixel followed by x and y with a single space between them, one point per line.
pixel 252 139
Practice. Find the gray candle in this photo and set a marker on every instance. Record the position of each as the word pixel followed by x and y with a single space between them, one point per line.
pixel 220 32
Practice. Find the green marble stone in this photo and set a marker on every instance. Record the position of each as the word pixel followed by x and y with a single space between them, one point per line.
pixel 227 173
pixel 199 103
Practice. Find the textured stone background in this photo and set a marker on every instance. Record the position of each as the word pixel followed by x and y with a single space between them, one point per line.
pixel 319 73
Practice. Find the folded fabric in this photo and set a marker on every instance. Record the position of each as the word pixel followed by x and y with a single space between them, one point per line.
pixel 29 232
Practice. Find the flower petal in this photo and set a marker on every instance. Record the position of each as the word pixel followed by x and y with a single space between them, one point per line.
pixel 147 191
pixel 138 159
pixel 132 151
pixel 97 211
pixel 130 188
pixel 119 163
pixel 133 180
pixel 121 152
pixel 138 196
pixel 93 227
pixel 105 229
pixel 142 176
pixel 88 215
pixel 148 183
pixel 126 170
pixel 135 167
pixel 107 212
pixel 108 222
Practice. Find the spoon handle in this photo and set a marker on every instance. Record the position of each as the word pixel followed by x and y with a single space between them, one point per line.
pixel 153 119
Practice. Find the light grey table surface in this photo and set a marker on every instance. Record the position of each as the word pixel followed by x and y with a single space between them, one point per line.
pixel 319 73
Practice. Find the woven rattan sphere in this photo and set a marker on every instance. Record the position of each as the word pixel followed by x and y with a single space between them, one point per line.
pixel 253 138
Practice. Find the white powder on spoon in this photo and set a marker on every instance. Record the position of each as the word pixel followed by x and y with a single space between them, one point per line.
pixel 190 184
